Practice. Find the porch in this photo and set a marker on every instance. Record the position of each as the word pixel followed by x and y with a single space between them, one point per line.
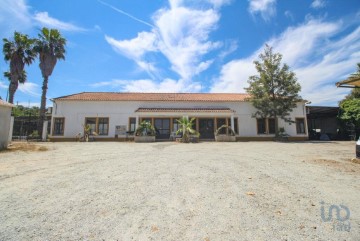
pixel 207 120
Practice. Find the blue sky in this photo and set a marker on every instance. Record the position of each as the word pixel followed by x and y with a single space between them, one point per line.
pixel 187 46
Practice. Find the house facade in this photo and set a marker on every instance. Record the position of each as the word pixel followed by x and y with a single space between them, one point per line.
pixel 115 116
pixel 5 123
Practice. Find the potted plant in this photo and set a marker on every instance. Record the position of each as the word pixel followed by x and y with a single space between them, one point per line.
pixel 187 131
pixel 229 135
pixel 145 132
pixel 281 135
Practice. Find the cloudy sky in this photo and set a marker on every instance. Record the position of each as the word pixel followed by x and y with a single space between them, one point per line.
pixel 187 46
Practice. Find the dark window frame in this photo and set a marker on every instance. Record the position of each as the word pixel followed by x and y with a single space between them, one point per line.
pixel 97 124
pixel 62 126
pixel 263 129
pixel 298 128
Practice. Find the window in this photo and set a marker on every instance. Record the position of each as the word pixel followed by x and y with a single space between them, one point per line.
pixel 271 125
pixel 194 126
pixel 98 125
pixel 132 124
pixel 266 126
pixel 58 126
pixel 236 128
pixel 236 125
pixel 103 126
pixel 91 122
pixel 300 126
pixel 176 124
pixel 261 126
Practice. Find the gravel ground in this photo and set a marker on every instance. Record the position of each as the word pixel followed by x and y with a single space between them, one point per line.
pixel 173 191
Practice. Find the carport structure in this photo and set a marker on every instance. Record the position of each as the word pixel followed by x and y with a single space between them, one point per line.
pixel 349 83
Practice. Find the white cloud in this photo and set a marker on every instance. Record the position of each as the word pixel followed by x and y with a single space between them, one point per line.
pixel 3 85
pixel 14 15
pixel 309 49
pixel 29 88
pixel 318 4
pixel 148 85
pixel 134 48
pixel 265 7
pixel 307 35
pixel 219 3
pixel 289 15
pixel 230 47
pixel 184 42
pixel 44 19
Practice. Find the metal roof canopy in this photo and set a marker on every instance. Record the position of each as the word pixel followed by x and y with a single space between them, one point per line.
pixel 349 83
pixel 322 111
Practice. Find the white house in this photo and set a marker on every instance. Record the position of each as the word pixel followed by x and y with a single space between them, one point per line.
pixel 5 123
pixel 115 116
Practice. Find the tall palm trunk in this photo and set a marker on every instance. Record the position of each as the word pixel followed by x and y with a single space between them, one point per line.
pixel 12 89
pixel 43 105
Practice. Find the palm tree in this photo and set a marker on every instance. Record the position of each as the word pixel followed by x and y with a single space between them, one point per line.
pixel 145 129
pixel 186 128
pixel 50 46
pixel 18 52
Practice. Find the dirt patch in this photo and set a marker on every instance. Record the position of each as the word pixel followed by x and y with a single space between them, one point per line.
pixel 25 146
pixel 346 166
pixel 355 160
pixel 168 191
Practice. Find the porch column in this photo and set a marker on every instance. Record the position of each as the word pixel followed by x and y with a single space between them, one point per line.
pixel 11 129
pixel 44 132
pixel 137 119
pixel 232 123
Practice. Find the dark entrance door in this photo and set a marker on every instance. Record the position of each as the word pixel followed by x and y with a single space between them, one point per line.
pixel 162 127
pixel 206 128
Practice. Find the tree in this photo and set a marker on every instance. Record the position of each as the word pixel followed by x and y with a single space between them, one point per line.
pixel 186 128
pixel 355 93
pixel 349 107
pixel 20 110
pixel 50 46
pixel 274 92
pixel 18 52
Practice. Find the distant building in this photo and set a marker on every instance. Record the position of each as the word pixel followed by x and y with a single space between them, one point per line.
pixel 115 116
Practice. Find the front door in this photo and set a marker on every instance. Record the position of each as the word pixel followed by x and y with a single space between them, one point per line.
pixel 162 127
pixel 206 128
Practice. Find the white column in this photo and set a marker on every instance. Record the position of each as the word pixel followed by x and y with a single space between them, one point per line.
pixel 44 131
pixel 11 129
pixel 137 122
pixel 232 123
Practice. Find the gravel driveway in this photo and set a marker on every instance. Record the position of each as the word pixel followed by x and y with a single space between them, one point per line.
pixel 173 191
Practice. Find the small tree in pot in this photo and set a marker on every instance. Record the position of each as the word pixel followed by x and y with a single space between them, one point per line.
pixel 187 131
pixel 229 135
pixel 145 132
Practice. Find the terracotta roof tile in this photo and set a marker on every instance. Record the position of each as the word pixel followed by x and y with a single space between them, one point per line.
pixel 184 110
pixel 118 96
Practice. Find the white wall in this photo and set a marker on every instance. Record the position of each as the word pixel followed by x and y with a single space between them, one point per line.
pixel 119 112
pixel 5 117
